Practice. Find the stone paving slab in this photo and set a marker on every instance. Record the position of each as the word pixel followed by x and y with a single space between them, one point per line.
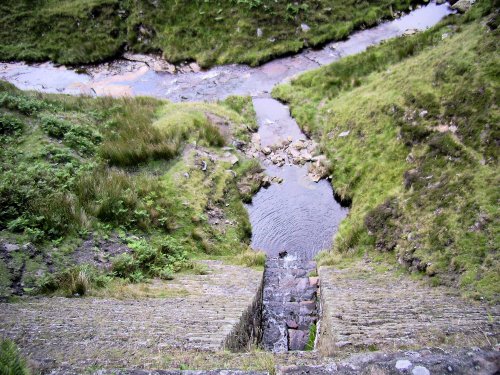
pixel 425 362
pixel 363 309
pixel 82 332
pixel 168 372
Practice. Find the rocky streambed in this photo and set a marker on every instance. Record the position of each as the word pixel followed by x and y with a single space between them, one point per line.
pixel 295 216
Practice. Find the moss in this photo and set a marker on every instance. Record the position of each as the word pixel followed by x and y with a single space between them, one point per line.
pixel 5 280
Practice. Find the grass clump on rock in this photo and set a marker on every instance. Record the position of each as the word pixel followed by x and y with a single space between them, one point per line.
pixel 420 163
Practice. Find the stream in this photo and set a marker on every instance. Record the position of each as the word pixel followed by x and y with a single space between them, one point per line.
pixel 298 216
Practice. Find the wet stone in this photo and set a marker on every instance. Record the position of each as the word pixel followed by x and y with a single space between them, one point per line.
pixel 297 339
pixel 289 304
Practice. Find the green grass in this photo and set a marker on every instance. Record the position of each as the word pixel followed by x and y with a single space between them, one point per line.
pixel 72 166
pixel 427 196
pixel 251 258
pixel 11 361
pixel 208 31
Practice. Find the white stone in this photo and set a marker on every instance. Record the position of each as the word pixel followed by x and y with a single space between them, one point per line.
pixel 403 364
pixel 305 28
pixel 344 134
pixel 420 370
pixel 410 32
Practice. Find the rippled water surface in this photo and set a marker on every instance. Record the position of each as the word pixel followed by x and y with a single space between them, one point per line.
pixel 298 215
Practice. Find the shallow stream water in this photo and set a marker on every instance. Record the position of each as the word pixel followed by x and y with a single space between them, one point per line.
pixel 298 215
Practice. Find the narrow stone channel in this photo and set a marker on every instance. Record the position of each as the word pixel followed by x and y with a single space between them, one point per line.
pixel 296 216
pixel 292 220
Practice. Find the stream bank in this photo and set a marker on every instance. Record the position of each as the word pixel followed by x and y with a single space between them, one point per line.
pixel 292 220
pixel 134 77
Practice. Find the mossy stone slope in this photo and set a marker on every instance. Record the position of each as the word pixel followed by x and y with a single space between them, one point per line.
pixel 411 128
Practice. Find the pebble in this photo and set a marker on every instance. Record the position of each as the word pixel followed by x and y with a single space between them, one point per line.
pixel 304 27
pixel 420 370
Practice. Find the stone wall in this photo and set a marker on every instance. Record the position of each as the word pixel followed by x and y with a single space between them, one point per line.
pixel 248 331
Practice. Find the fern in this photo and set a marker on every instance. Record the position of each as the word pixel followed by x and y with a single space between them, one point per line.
pixel 11 361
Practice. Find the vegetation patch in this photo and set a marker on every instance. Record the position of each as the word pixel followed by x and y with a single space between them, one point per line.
pixel 420 161
pixel 11 360
pixel 146 172
pixel 208 31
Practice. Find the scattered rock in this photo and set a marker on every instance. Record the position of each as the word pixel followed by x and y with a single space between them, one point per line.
pixel 259 33
pixel 239 144
pixel 305 28
pixel 344 134
pixel 266 182
pixel 154 62
pixel 463 5
pixel 9 247
pixel 99 251
pixel 195 67
pixel 410 32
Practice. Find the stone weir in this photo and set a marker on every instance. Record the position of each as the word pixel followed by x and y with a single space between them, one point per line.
pixel 290 308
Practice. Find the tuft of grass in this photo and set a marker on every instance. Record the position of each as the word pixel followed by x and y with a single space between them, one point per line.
pixel 420 160
pixel 11 360
pixel 251 258
pixel 73 281
pixel 312 338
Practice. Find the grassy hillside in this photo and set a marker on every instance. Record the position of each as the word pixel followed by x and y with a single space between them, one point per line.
pixel 411 128
pixel 209 31
pixel 145 172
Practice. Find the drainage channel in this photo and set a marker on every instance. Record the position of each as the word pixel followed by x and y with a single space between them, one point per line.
pixel 292 220
pixel 289 305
